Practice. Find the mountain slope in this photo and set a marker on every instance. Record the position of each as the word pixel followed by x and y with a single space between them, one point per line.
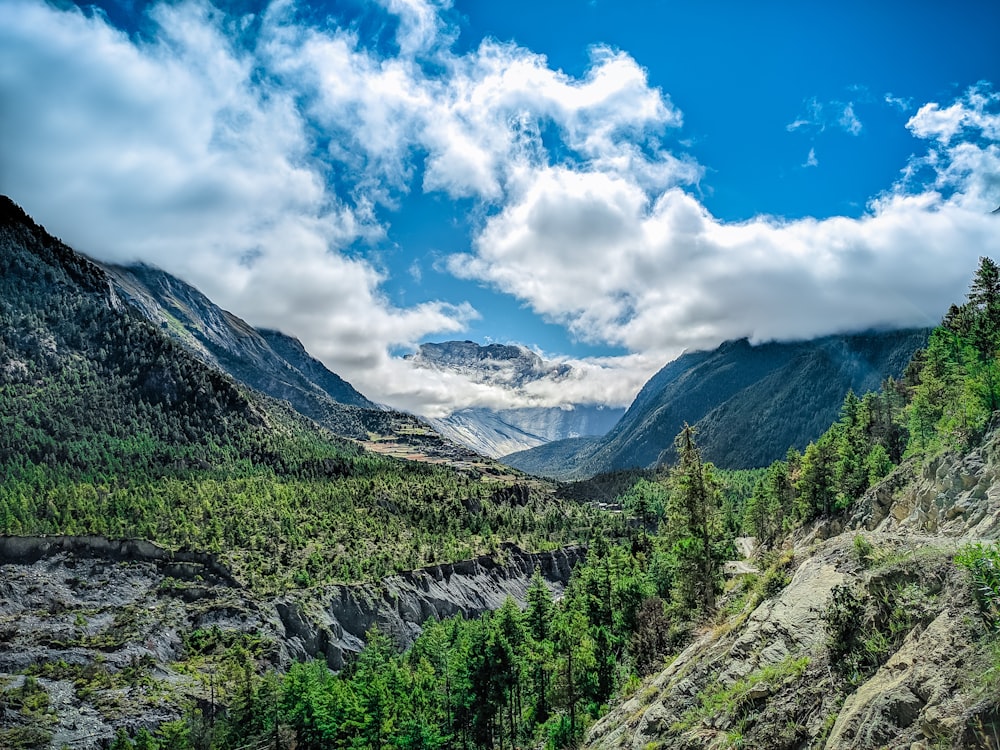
pixel 278 365
pixel 750 403
pixel 872 636
pixel 87 384
pixel 268 361
pixel 498 432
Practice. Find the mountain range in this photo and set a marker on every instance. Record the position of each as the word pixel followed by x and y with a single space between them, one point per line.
pixel 275 364
pixel 749 403
pixel 178 540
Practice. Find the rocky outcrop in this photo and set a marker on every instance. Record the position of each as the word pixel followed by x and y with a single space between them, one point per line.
pixel 770 679
pixel 331 622
pixel 953 495
pixel 100 620
pixel 25 550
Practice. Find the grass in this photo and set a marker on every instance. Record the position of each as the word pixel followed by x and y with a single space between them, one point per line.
pixel 736 699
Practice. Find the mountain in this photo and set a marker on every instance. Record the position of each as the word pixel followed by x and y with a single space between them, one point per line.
pixel 278 365
pixel 267 361
pixel 498 432
pixel 749 403
pixel 109 425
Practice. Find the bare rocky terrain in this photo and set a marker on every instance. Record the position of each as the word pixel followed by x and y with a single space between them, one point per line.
pixel 113 631
pixel 875 641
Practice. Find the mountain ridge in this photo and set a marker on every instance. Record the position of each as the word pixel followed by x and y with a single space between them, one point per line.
pixel 749 402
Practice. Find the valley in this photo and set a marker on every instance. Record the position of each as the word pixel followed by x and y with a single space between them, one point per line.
pixel 212 542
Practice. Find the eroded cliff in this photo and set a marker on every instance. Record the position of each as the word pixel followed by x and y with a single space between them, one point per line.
pixel 108 628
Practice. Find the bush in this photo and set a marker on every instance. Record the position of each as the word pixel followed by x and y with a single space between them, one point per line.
pixel 983 563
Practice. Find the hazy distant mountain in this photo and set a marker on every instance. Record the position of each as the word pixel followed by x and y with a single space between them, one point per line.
pixel 750 403
pixel 497 432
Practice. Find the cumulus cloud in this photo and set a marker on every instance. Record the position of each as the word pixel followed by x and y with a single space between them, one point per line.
pixel 261 169
pixel 811 160
pixel 656 272
pixel 250 167
pixel 975 111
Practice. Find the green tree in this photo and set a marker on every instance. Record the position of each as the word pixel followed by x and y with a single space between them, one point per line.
pixel 575 657
pixel 816 485
pixel 691 522
pixel 765 510
pixel 538 619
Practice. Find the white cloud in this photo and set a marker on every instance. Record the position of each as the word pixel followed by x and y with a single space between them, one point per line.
pixel 970 113
pixel 199 154
pixel 250 169
pixel 848 120
pixel 170 152
pixel 811 160
pixel 819 116
pixel 903 104
pixel 421 28
pixel 656 272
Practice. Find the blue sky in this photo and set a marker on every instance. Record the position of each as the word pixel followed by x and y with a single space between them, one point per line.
pixel 607 182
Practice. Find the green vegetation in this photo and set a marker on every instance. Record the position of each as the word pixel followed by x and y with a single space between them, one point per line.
pixel 736 700
pixel 866 625
pixel 983 563
pixel 275 532
pixel 29 705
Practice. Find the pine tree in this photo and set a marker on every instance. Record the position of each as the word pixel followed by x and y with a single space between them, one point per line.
pixel 538 619
pixel 692 520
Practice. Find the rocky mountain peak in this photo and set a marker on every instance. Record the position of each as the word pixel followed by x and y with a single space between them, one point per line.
pixel 503 364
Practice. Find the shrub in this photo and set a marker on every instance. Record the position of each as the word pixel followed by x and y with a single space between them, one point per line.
pixel 983 563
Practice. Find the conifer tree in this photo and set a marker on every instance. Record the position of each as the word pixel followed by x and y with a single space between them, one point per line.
pixel 691 522
pixel 538 620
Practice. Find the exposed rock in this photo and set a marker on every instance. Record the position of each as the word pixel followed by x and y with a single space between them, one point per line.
pixel 952 495
pixel 785 688
pixel 81 605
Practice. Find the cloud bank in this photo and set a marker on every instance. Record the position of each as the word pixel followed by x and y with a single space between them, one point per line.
pixel 254 155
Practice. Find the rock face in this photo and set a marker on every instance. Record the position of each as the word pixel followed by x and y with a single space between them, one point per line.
pixel 875 642
pixel 771 680
pixel 330 622
pixel 498 432
pixel 749 403
pixel 952 495
pixel 118 612
pixel 279 366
